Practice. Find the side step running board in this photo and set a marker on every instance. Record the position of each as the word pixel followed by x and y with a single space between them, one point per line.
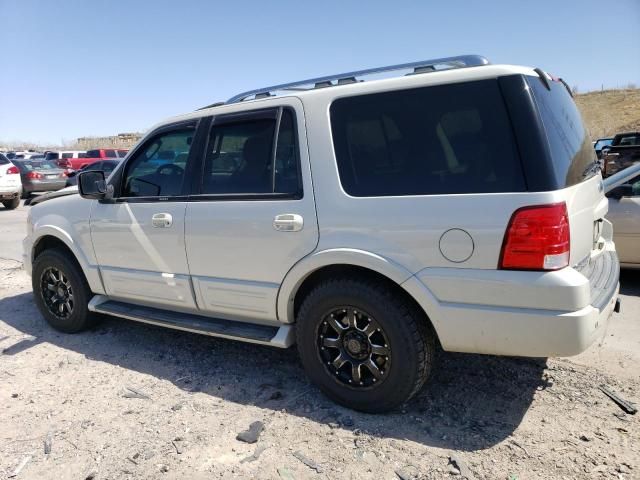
pixel 281 337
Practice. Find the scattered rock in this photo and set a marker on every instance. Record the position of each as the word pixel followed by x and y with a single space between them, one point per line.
pixel 251 435
pixel 402 475
pixel 584 438
pixel 307 461
pixel 177 406
pixel 459 464
pixel 163 468
pixel 91 475
pixel 454 470
pixel 177 444
pixel 14 395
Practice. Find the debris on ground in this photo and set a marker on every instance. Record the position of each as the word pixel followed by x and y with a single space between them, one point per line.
pixel 285 473
pixel 621 402
pixel 20 466
pixel 131 392
pixel 461 466
pixel 307 461
pixel 256 454
pixel 48 442
pixel 252 433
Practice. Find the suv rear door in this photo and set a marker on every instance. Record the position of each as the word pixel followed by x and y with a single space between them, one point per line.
pixel 254 214
pixel 139 238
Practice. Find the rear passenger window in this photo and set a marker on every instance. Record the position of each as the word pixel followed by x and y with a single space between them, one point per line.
pixel 241 158
pixel 444 139
pixel 110 154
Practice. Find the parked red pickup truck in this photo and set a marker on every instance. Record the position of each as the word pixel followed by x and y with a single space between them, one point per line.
pixel 92 156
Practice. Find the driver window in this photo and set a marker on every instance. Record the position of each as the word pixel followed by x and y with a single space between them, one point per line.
pixel 158 170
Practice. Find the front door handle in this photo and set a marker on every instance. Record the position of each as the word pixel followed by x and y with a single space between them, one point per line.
pixel 162 220
pixel 288 222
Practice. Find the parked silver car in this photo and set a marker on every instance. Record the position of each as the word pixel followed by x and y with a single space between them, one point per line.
pixel 624 214
pixel 366 221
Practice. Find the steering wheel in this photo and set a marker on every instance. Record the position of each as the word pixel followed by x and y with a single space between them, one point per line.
pixel 173 168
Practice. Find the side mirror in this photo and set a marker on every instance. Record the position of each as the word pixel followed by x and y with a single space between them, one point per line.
pixel 621 191
pixel 92 185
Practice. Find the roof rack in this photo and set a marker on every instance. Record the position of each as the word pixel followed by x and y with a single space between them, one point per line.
pixel 424 66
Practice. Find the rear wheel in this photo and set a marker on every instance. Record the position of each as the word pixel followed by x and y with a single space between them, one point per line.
pixel 61 291
pixel 363 344
pixel 12 204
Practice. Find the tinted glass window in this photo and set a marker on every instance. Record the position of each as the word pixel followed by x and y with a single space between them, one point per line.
pixel 433 140
pixel 67 155
pixel 240 159
pixel 158 169
pixel 93 154
pixel 52 156
pixel 569 142
pixel 629 140
pixel 110 154
pixel 3 160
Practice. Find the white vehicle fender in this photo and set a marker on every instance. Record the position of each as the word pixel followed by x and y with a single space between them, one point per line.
pixel 335 256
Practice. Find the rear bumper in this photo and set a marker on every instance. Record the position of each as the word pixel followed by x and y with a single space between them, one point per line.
pixel 540 317
pixel 44 186
pixel 9 193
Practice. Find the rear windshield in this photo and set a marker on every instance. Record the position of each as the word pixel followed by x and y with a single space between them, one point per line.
pixel 442 139
pixel 52 156
pixel 569 142
pixel 110 154
pixel 93 154
pixel 28 165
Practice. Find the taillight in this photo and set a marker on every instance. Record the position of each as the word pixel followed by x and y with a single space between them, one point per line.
pixel 63 175
pixel 64 163
pixel 13 170
pixel 537 238
pixel 34 175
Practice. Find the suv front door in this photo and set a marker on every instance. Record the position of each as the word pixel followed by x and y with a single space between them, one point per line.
pixel 254 215
pixel 139 237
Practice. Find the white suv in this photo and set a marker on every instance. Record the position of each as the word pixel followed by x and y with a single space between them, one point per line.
pixel 367 221
pixel 10 184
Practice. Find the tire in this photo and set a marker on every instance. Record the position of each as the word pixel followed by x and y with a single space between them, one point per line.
pixel 75 315
pixel 12 204
pixel 403 367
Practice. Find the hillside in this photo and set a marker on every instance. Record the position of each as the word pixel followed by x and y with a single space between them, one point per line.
pixel 610 111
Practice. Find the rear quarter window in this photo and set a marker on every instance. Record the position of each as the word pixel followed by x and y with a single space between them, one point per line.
pixel 444 139
pixel 570 146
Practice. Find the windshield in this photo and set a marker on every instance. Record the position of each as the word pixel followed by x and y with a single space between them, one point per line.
pixel 603 142
pixel 571 150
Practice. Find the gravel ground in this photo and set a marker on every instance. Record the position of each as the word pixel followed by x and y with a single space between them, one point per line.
pixel 132 401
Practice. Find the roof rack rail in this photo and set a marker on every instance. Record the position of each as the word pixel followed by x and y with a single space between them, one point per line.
pixel 424 66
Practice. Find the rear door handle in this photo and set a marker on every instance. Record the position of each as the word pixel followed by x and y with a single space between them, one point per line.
pixel 288 222
pixel 162 220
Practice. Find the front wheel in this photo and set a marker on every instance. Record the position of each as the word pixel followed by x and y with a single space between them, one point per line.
pixel 61 291
pixel 363 344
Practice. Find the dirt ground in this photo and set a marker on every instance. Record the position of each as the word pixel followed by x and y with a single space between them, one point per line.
pixel 133 401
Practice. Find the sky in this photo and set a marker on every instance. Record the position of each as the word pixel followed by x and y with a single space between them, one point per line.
pixel 72 68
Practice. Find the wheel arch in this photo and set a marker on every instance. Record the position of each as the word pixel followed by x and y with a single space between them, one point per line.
pixel 54 237
pixel 344 262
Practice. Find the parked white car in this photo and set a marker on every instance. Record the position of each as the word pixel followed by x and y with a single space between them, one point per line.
pixel 366 221
pixel 10 184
